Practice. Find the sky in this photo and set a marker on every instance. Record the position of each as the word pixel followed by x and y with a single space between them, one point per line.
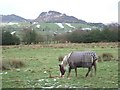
pixel 104 11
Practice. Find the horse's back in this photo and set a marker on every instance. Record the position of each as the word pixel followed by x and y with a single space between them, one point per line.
pixel 80 59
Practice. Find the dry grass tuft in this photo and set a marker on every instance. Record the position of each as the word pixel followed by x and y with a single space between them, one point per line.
pixel 100 59
pixel 107 56
pixel 10 64
pixel 60 58
pixel 16 63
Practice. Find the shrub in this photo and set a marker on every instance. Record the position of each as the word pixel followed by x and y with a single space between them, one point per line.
pixel 16 63
pixel 100 59
pixel 107 56
pixel 30 36
pixel 9 64
pixel 60 58
pixel 5 65
pixel 9 39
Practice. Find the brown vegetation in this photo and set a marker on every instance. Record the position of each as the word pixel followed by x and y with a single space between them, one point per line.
pixel 51 76
pixel 107 56
pixel 9 64
pixel 100 59
pixel 60 58
pixel 16 63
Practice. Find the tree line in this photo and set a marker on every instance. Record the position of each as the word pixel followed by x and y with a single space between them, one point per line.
pixel 109 33
pixel 30 36
pixel 84 36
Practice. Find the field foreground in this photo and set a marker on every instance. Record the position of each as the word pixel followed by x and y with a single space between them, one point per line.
pixel 41 60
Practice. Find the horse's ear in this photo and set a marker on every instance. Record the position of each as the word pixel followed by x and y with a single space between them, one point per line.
pixel 60 65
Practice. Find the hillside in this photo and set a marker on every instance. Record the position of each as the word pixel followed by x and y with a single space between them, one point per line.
pixel 52 17
pixel 12 18
pixel 57 17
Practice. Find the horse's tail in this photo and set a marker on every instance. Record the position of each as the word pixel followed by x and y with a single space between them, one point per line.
pixel 95 65
pixel 95 58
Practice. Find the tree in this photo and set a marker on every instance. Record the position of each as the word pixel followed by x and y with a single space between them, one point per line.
pixel 95 35
pixel 16 40
pixel 31 36
pixel 9 39
pixel 78 36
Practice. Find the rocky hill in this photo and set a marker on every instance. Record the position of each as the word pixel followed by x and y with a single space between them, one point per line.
pixel 12 18
pixel 57 17
pixel 49 17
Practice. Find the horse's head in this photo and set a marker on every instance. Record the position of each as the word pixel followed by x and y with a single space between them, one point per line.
pixel 62 70
pixel 63 65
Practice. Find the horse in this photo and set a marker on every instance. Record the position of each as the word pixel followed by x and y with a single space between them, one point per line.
pixel 77 59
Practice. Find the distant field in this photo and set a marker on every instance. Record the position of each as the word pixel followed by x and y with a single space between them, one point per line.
pixel 39 59
pixel 44 28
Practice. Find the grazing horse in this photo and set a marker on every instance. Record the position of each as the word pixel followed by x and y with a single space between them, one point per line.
pixel 73 60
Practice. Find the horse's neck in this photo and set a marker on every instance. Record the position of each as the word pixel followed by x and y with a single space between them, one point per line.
pixel 65 59
pixel 64 62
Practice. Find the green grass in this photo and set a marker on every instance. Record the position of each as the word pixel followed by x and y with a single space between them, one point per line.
pixel 45 28
pixel 41 58
pixel 78 25
pixel 49 26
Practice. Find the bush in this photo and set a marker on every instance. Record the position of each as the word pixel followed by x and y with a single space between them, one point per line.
pixel 100 59
pixel 16 63
pixel 30 36
pixel 9 39
pixel 107 56
pixel 78 36
pixel 106 34
pixel 9 64
pixel 5 65
pixel 60 58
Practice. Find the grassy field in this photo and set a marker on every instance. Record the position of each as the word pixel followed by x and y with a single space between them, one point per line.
pixel 52 27
pixel 40 59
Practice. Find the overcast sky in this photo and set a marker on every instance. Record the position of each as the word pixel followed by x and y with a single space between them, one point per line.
pixel 105 11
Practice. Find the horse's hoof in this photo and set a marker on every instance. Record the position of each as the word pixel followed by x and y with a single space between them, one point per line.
pixel 68 78
pixel 91 75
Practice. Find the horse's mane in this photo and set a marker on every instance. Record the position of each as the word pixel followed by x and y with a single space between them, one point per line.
pixel 64 63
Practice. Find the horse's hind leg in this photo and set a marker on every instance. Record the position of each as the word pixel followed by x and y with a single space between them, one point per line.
pixel 91 74
pixel 89 69
pixel 95 67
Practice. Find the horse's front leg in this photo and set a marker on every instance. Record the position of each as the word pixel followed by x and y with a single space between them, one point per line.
pixel 69 72
pixel 76 72
pixel 95 67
